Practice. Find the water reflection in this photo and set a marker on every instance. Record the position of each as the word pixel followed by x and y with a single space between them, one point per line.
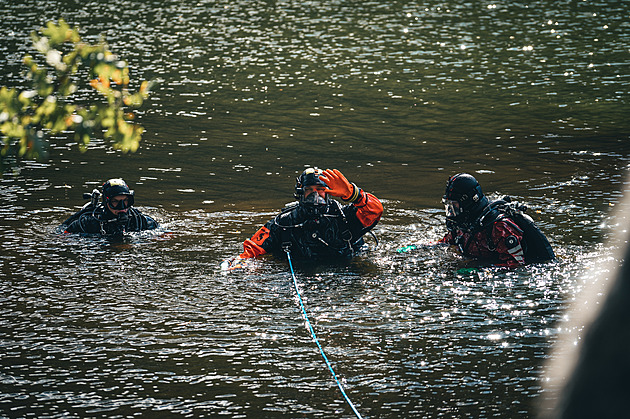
pixel 399 96
pixel 151 324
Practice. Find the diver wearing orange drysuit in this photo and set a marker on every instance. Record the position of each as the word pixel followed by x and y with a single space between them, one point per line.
pixel 318 227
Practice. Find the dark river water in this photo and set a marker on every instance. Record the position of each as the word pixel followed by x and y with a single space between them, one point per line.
pixel 532 98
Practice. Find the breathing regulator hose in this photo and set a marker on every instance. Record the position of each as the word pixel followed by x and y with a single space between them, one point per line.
pixel 310 328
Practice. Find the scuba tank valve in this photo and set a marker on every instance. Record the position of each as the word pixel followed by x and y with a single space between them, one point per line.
pixel 94 197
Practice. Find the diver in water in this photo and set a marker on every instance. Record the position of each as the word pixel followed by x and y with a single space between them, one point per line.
pixel 499 231
pixel 318 227
pixel 115 215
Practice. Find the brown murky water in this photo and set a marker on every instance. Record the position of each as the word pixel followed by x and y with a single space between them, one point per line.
pixel 398 95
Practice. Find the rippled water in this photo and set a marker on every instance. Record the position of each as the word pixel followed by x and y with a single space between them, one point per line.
pixel 532 99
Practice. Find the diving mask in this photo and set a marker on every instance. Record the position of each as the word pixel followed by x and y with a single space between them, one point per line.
pixel 314 199
pixel 120 203
pixel 452 208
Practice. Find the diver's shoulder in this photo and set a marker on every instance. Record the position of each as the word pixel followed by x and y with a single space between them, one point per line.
pixel 290 207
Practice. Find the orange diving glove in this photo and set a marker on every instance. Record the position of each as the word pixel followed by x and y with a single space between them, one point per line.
pixel 339 186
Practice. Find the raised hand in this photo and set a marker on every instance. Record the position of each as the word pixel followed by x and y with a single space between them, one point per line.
pixel 339 186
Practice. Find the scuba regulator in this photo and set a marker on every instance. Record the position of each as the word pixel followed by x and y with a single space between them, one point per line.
pixel 314 204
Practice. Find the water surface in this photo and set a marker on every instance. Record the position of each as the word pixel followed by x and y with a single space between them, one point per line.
pixel 530 98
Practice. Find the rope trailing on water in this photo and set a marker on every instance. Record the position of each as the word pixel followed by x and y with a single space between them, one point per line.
pixel 310 327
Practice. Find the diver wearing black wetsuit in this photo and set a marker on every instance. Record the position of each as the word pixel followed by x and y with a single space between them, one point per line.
pixel 115 215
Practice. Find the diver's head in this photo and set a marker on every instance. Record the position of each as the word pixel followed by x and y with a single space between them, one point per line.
pixel 310 191
pixel 463 200
pixel 117 196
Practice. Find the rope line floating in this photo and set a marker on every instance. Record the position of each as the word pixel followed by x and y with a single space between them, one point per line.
pixel 310 328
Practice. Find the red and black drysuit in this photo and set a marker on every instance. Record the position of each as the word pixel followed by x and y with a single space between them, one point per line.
pixel 501 242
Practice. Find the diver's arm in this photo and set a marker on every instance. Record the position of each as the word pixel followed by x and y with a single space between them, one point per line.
pixel 139 222
pixel 253 247
pixel 448 238
pixel 369 208
pixel 86 223
pixel 73 227
pixel 147 223
pixel 509 240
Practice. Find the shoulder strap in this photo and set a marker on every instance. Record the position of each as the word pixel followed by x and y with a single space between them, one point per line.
pixel 85 209
pixel 346 234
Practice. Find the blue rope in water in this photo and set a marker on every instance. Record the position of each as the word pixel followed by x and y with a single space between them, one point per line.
pixel 310 327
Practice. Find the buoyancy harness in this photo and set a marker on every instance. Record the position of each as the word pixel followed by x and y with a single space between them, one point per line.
pixel 108 225
pixel 536 246
pixel 90 206
pixel 288 232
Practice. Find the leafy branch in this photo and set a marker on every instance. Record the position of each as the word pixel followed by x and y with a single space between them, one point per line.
pixel 54 104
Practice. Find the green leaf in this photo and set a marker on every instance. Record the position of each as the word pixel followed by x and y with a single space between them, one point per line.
pixel 51 104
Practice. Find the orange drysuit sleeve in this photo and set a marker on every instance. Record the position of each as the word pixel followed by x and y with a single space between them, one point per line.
pixel 369 209
pixel 253 247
